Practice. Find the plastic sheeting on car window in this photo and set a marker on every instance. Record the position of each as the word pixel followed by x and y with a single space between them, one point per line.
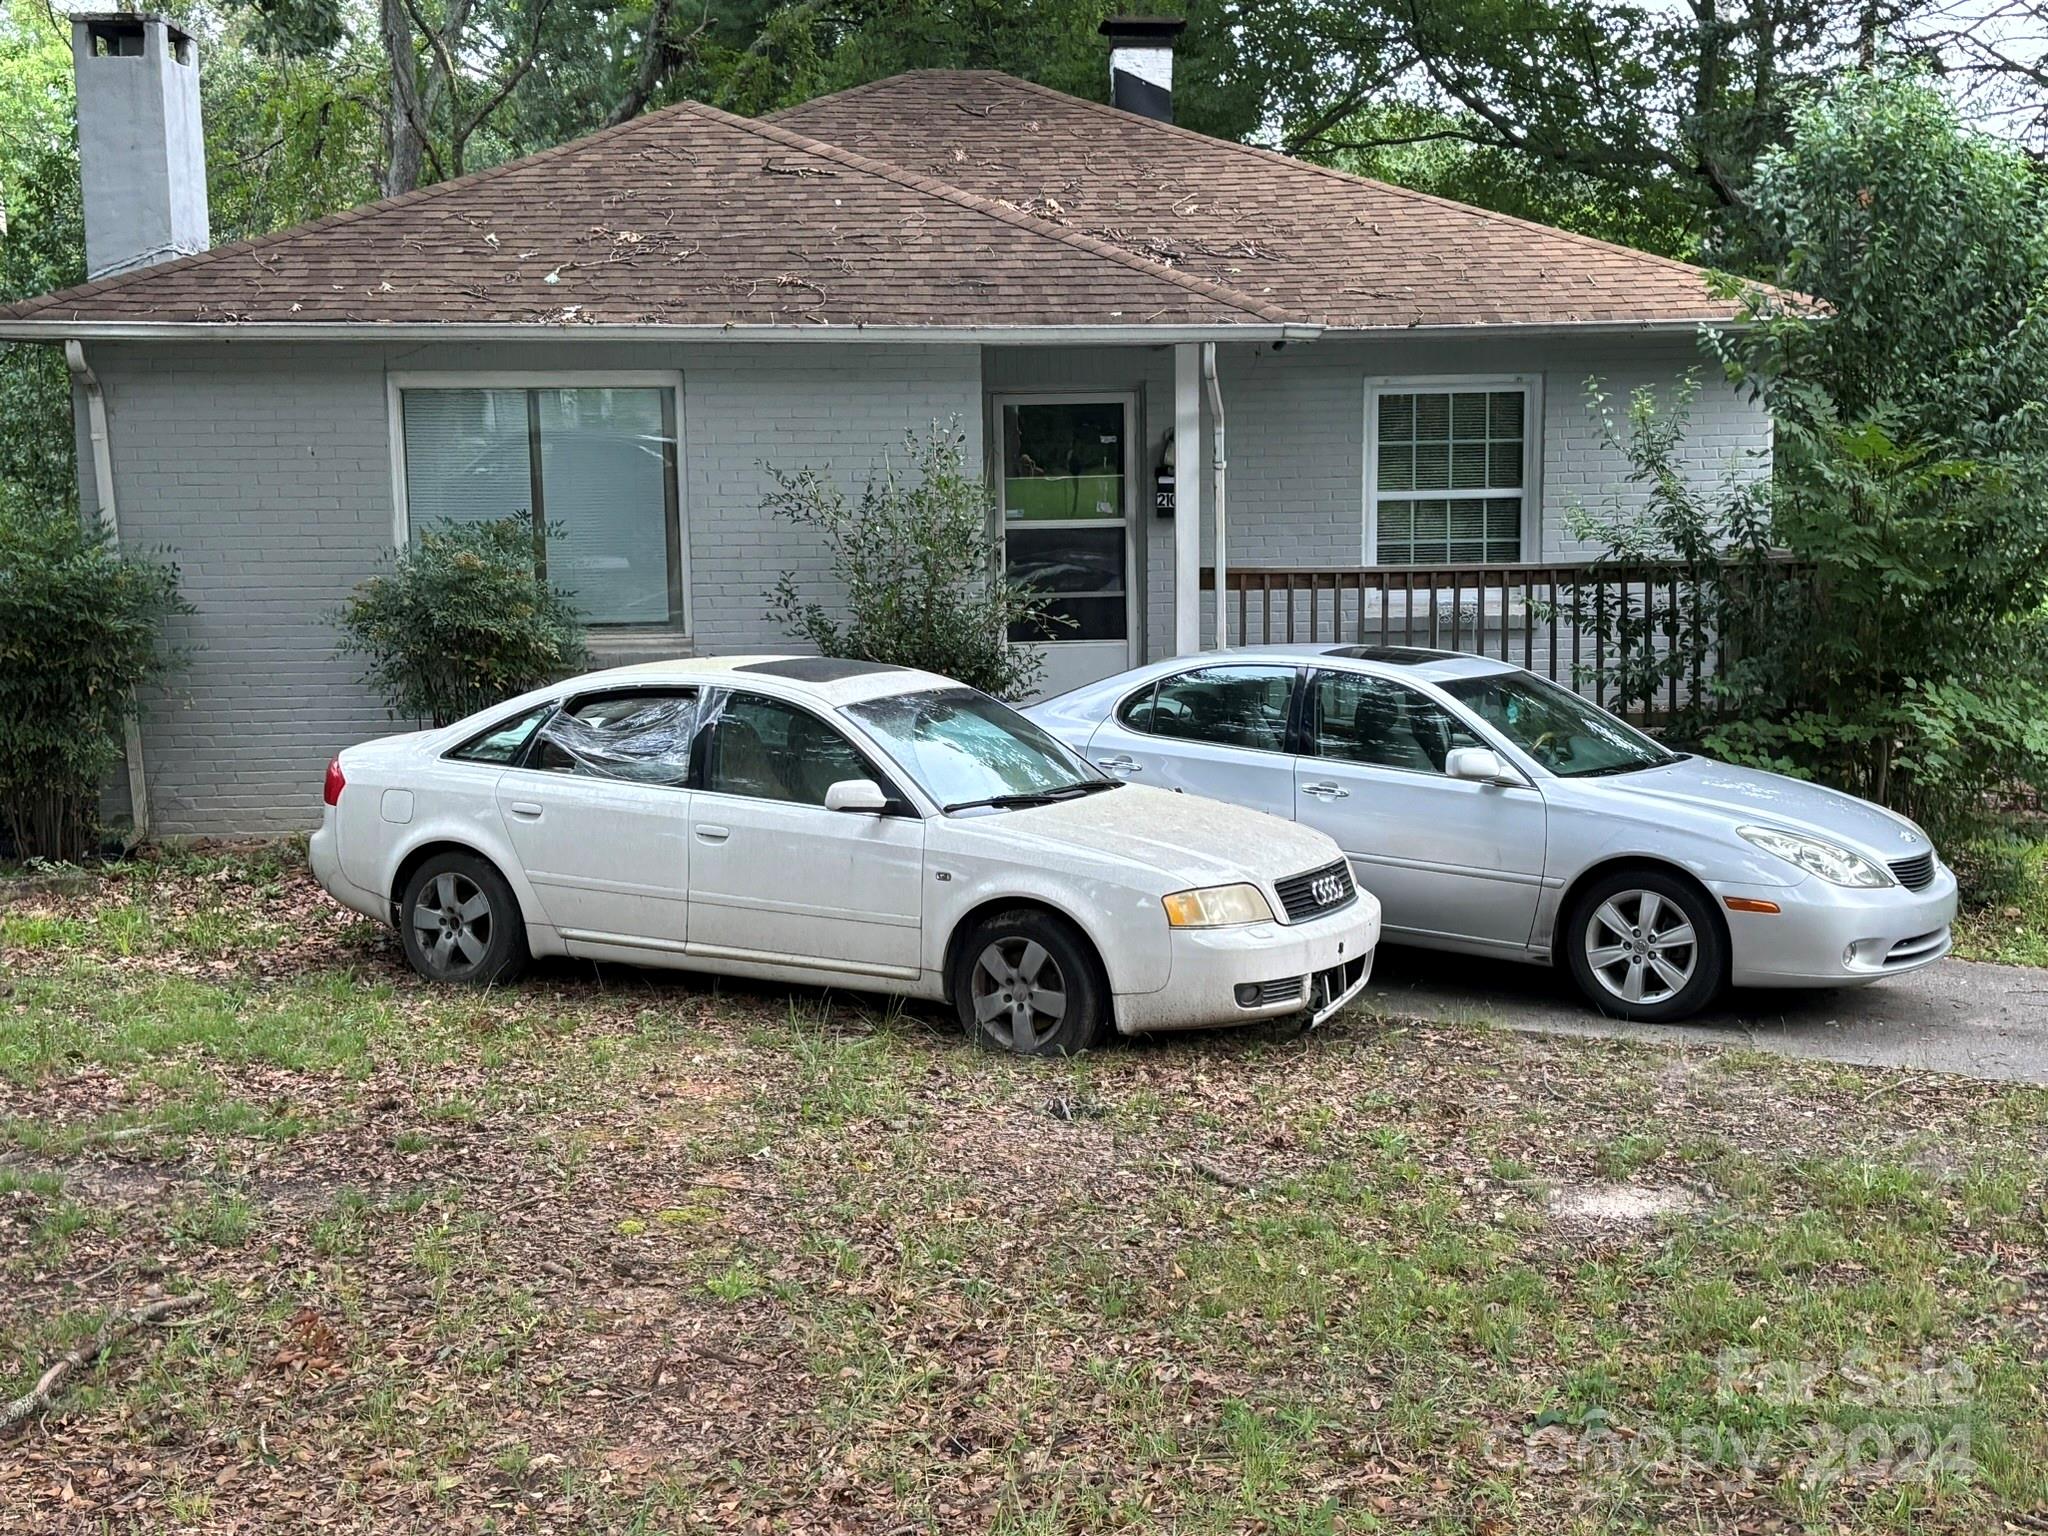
pixel 643 742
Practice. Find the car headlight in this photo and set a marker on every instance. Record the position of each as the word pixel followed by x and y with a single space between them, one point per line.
pixel 1217 906
pixel 1837 866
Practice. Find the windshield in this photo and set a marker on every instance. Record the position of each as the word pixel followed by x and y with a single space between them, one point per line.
pixel 1572 737
pixel 965 749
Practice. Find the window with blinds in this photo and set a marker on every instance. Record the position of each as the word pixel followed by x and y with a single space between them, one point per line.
pixel 1450 474
pixel 593 468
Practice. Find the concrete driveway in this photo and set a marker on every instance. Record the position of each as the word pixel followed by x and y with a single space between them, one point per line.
pixel 1988 1021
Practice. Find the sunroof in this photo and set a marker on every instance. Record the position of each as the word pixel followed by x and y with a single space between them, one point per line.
pixel 818 669
pixel 1393 655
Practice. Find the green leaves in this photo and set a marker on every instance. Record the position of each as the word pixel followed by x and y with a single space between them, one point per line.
pixel 81 628
pixel 921 567
pixel 1910 468
pixel 460 622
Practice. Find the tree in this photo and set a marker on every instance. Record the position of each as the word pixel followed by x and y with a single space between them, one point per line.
pixel 1642 120
pixel 922 570
pixel 42 246
pixel 1904 361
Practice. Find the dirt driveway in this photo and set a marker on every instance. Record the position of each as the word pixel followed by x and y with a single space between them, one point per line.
pixel 1988 1021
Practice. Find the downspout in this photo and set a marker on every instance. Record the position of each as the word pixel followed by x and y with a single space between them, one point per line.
pixel 1220 463
pixel 110 522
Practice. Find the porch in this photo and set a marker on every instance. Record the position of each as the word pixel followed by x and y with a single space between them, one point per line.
pixel 1388 490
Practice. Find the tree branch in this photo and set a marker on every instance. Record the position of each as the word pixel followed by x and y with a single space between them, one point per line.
pixel 118 1325
pixel 656 53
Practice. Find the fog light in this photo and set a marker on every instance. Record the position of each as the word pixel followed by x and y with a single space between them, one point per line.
pixel 1849 956
pixel 1247 994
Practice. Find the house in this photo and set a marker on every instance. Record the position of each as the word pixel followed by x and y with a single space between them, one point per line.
pixel 1151 338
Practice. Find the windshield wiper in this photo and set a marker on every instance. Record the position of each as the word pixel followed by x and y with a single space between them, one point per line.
pixel 1614 768
pixel 1023 799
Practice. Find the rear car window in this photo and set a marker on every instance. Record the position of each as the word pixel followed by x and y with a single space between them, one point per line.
pixel 1239 706
pixel 644 737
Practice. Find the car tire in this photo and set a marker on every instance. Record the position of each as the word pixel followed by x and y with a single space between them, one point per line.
pixel 1674 964
pixel 1009 968
pixel 460 922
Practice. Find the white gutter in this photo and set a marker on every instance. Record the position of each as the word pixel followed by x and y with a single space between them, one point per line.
pixel 110 521
pixel 1682 326
pixel 1219 462
pixel 370 330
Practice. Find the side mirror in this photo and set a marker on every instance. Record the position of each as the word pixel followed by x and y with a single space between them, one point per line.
pixel 863 797
pixel 1479 765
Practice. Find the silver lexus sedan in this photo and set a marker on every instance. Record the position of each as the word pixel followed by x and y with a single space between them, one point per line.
pixel 1494 812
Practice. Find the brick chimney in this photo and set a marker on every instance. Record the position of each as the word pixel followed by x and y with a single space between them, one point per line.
pixel 1141 63
pixel 141 156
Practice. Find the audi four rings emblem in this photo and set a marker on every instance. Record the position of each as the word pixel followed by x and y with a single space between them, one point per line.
pixel 1328 889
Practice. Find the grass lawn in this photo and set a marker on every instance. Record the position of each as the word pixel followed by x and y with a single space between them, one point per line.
pixel 618 1252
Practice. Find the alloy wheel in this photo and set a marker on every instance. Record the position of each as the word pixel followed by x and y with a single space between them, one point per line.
pixel 1020 996
pixel 1641 947
pixel 452 919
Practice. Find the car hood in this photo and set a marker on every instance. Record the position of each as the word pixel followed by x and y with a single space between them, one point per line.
pixel 1750 796
pixel 1187 840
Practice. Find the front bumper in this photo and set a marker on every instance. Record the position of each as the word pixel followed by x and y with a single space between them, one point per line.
pixel 1319 965
pixel 1830 936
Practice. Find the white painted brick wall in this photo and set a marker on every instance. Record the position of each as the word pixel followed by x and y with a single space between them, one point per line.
pixel 264 471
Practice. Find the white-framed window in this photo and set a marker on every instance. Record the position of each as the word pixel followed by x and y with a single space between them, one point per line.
pixel 591 459
pixel 1451 470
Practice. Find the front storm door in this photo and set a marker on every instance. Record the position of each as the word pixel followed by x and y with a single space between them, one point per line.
pixel 1067 480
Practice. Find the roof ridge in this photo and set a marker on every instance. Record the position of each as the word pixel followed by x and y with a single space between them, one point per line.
pixel 787 138
pixel 1351 178
pixel 990 208
pixel 426 194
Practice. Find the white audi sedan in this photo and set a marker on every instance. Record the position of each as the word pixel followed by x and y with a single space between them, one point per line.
pixel 844 824
pixel 1494 812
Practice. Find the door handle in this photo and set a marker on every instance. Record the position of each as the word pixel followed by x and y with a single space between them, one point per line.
pixel 1123 762
pixel 525 810
pixel 707 833
pixel 1326 791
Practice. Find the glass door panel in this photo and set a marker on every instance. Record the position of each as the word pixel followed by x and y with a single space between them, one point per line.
pixel 1065 500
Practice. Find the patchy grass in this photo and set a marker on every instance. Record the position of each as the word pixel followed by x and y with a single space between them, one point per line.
pixel 614 1252
pixel 2004 882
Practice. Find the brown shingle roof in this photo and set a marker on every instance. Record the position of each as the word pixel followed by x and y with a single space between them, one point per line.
pixel 688 216
pixel 1339 249
pixel 935 199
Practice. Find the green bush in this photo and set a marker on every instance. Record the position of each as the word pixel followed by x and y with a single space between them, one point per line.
pixel 1909 488
pixel 81 628
pixel 923 571
pixel 460 622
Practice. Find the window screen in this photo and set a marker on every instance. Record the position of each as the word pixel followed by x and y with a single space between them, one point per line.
pixel 592 467
pixel 1450 476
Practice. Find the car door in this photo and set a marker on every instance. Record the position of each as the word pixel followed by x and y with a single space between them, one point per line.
pixel 1217 730
pixel 775 878
pixel 1446 857
pixel 598 812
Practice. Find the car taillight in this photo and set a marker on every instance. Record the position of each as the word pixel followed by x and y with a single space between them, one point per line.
pixel 335 783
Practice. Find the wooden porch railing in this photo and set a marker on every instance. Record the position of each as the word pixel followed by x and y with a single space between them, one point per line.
pixel 1547 618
